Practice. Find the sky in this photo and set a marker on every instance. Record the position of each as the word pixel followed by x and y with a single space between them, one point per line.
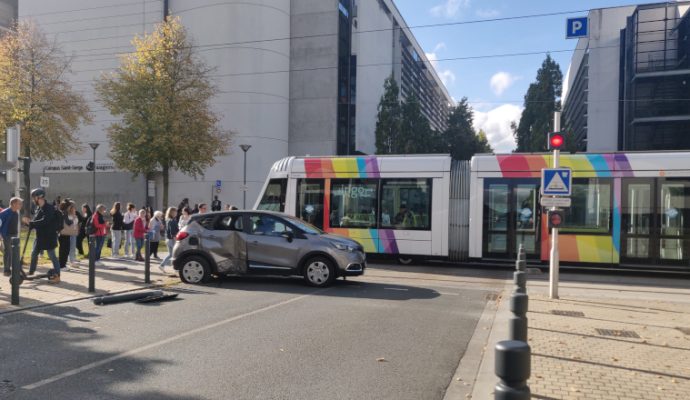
pixel 495 87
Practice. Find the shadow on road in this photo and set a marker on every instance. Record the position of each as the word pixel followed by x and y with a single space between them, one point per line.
pixel 340 288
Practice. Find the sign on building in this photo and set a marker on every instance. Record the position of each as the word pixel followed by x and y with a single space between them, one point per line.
pixel 577 28
pixel 45 182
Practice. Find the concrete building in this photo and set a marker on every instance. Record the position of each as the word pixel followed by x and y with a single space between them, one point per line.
pixel 627 84
pixel 296 77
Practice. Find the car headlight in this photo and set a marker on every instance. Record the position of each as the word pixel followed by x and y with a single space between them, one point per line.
pixel 343 246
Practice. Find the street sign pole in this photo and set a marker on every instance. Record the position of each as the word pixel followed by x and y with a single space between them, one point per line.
pixel 553 263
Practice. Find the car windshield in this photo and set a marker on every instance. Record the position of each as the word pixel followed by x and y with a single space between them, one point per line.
pixel 309 229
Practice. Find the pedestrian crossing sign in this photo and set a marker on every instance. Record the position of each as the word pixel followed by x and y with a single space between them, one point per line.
pixel 556 181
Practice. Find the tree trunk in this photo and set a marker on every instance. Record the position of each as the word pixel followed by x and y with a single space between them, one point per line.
pixel 166 184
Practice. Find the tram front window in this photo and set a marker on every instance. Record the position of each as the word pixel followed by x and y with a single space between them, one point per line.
pixel 274 196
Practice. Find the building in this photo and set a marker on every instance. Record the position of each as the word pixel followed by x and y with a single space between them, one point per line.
pixel 296 77
pixel 627 84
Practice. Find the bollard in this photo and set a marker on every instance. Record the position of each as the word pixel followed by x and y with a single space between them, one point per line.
pixel 513 370
pixel 92 264
pixel 147 259
pixel 16 270
pixel 521 262
pixel 518 322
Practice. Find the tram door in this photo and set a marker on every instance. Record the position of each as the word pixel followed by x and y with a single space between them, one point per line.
pixel 656 221
pixel 511 217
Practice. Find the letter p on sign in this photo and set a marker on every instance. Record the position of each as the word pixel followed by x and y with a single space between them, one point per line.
pixel 577 28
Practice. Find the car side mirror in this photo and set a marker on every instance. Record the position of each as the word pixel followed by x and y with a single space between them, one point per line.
pixel 288 235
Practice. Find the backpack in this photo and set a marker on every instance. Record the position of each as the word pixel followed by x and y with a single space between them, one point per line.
pixel 89 229
pixel 59 220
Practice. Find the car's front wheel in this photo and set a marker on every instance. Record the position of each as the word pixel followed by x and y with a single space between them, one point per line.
pixel 319 272
pixel 195 269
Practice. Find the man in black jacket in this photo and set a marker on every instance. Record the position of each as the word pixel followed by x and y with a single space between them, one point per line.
pixel 44 223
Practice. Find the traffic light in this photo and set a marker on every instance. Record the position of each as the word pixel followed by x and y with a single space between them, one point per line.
pixel 555 218
pixel 90 166
pixel 556 141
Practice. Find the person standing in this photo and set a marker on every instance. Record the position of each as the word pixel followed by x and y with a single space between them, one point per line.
pixel 171 229
pixel 185 215
pixel 70 228
pixel 45 224
pixel 216 204
pixel 128 226
pixel 9 228
pixel 138 233
pixel 74 216
pixel 84 222
pixel 100 229
pixel 117 229
pixel 156 228
pixel 203 209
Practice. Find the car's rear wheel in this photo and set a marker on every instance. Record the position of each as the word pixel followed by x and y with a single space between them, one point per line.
pixel 319 272
pixel 195 269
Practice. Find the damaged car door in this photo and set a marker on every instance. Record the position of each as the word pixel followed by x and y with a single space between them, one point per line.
pixel 227 244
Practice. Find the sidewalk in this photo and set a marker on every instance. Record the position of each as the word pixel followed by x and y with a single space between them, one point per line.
pixel 111 278
pixel 607 337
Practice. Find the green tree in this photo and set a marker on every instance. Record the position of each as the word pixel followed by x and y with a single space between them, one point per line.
pixel 388 118
pixel 541 101
pixel 482 143
pixel 416 136
pixel 459 137
pixel 35 95
pixel 161 92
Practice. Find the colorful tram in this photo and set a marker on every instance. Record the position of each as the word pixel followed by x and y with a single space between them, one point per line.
pixel 628 209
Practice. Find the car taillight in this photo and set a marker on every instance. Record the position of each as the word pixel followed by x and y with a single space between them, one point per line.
pixel 181 236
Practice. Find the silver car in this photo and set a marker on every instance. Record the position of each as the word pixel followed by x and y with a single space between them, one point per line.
pixel 263 243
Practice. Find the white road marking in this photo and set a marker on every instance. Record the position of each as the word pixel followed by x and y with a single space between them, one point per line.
pixel 449 294
pixel 400 289
pixel 160 343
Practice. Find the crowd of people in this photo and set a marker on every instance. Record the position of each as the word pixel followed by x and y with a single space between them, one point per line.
pixel 62 225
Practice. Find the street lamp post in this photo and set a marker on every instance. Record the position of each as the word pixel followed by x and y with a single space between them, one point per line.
pixel 245 148
pixel 94 146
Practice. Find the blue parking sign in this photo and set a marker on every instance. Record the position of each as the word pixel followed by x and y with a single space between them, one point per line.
pixel 218 184
pixel 576 28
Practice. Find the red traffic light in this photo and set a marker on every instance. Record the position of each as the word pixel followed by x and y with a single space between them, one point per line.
pixel 555 218
pixel 556 140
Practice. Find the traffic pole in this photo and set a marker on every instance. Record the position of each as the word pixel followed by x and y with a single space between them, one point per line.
pixel 553 263
pixel 16 269
pixel 92 263
pixel 147 259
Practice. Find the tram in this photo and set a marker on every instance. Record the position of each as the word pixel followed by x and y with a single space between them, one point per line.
pixel 628 209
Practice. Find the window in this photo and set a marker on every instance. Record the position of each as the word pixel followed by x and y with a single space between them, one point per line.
pixel 274 196
pixel 267 225
pixel 406 204
pixel 310 201
pixel 590 211
pixel 206 221
pixel 353 203
pixel 231 222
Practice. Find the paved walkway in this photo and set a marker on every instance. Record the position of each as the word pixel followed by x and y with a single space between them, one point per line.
pixel 607 337
pixel 117 275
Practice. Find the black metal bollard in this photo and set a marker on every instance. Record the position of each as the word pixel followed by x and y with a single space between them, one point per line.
pixel 92 264
pixel 520 275
pixel 518 322
pixel 513 367
pixel 16 270
pixel 147 259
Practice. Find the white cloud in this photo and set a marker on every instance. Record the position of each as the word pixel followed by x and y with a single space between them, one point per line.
pixel 447 76
pixel 487 13
pixel 496 124
pixel 501 81
pixel 449 8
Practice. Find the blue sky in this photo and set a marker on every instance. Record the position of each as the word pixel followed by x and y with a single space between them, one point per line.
pixel 495 87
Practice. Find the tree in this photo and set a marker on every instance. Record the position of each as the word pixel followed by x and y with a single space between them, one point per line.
pixel 482 143
pixel 460 136
pixel 541 101
pixel 388 118
pixel 162 94
pixel 35 95
pixel 416 136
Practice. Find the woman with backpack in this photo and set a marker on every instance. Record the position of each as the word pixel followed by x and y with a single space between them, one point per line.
pixel 70 228
pixel 85 220
pixel 117 228
pixel 171 229
pixel 139 232
pixel 156 229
